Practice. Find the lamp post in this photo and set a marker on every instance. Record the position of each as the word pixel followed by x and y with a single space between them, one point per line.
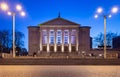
pixel 13 25
pixel 4 7
pixel 99 10
pixel 105 51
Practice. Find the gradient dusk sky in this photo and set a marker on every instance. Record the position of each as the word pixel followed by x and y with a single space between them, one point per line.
pixel 79 11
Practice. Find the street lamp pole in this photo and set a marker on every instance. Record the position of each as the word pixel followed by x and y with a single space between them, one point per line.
pixel 5 7
pixel 99 10
pixel 105 51
pixel 13 25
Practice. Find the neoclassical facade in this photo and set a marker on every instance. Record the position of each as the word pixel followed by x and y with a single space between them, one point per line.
pixel 58 36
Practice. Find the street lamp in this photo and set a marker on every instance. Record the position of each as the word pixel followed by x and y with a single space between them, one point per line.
pixel 13 14
pixel 100 10
pixel 4 6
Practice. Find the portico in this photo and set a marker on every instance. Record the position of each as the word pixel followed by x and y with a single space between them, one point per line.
pixel 56 37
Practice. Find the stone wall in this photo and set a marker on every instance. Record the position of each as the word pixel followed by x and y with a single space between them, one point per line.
pixel 84 38
pixel 7 55
pixel 98 52
pixel 33 39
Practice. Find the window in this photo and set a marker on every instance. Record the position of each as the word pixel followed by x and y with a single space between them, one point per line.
pixel 52 32
pixel 44 32
pixel 66 40
pixel 44 39
pixel 51 39
pixel 58 39
pixel 73 32
pixel 59 33
pixel 73 40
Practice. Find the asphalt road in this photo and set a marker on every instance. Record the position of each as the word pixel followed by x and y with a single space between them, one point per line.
pixel 58 71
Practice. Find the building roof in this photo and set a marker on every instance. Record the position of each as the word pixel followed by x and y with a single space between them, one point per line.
pixel 59 21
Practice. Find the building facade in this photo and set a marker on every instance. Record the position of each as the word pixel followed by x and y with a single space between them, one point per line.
pixel 116 43
pixel 58 36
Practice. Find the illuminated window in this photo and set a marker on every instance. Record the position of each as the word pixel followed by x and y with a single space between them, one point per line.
pixel 44 32
pixel 51 39
pixel 44 39
pixel 51 34
pixel 59 40
pixel 66 40
pixel 73 32
pixel 73 40
pixel 59 37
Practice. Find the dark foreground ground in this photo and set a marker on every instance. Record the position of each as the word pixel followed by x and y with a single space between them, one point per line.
pixel 49 61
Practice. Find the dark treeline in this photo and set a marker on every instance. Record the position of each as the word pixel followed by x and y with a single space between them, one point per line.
pixel 99 39
pixel 6 42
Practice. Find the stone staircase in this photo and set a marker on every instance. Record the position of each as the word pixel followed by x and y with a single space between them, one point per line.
pixel 57 61
pixel 59 55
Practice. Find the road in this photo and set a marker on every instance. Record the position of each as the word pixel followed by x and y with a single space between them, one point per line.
pixel 58 71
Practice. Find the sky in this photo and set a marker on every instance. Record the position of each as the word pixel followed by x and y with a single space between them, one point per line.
pixel 79 11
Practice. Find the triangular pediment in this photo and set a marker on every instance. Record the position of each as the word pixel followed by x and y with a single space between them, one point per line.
pixel 59 21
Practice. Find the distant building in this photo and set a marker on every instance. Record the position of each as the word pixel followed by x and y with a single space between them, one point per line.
pixel 91 42
pixel 116 42
pixel 58 35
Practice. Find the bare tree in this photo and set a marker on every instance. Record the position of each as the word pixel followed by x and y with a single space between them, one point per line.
pixel 19 36
pixel 100 38
pixel 0 41
pixel 6 40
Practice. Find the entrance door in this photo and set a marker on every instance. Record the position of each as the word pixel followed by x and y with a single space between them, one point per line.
pixel 51 48
pixel 58 48
pixel 44 48
pixel 66 49
pixel 73 48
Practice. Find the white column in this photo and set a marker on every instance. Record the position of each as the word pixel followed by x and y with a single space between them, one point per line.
pixel 77 40
pixel 41 40
pixel 55 47
pixel 48 50
pixel 62 40
pixel 69 40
